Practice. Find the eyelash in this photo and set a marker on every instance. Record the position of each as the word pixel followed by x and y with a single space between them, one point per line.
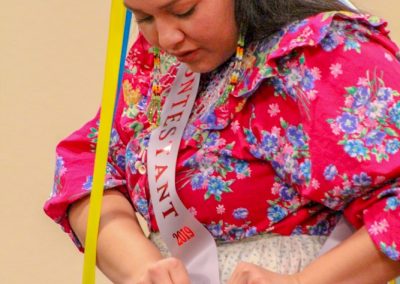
pixel 186 14
pixel 181 16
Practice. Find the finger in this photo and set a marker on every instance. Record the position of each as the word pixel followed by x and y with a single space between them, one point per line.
pixel 178 272
pixel 240 274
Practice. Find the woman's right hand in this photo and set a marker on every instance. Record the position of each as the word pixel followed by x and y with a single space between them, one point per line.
pixel 166 271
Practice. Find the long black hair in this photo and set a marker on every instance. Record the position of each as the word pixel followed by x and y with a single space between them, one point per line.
pixel 262 18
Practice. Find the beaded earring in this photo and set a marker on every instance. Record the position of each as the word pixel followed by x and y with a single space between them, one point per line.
pixel 234 78
pixel 154 108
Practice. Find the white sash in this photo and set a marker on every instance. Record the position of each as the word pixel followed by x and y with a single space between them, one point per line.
pixel 186 238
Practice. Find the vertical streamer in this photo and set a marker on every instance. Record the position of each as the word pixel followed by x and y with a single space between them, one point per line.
pixel 116 51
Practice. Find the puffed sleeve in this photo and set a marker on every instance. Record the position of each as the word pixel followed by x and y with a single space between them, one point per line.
pixel 75 154
pixel 347 89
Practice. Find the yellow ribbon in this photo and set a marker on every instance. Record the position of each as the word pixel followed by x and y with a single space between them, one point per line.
pixel 114 49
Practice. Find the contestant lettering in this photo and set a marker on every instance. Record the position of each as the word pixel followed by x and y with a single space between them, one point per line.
pixel 165 133
pixel 159 171
pixel 163 190
pixel 186 87
pixel 168 130
pixel 165 150
pixel 170 211
pixel 173 117
pixel 182 102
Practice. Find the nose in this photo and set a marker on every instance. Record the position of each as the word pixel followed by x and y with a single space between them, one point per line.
pixel 170 37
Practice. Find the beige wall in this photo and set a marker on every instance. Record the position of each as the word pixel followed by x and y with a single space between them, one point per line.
pixel 51 71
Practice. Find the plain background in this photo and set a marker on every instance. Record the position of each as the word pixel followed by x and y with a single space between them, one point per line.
pixel 52 57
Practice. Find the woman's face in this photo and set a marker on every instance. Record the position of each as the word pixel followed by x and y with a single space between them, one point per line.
pixel 200 33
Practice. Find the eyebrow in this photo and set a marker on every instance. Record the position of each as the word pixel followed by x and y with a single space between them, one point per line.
pixel 166 6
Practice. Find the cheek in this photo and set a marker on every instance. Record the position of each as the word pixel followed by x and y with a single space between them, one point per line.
pixel 150 34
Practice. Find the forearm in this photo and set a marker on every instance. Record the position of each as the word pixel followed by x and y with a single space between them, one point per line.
pixel 123 252
pixel 356 260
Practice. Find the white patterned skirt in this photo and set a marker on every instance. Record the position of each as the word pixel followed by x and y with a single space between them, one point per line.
pixel 281 254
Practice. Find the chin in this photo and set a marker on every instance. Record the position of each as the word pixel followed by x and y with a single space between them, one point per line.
pixel 201 67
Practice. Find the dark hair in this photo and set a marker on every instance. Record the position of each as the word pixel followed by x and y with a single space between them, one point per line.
pixel 262 18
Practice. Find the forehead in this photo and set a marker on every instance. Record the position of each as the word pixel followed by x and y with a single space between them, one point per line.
pixel 151 4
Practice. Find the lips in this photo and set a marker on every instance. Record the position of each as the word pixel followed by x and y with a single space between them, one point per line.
pixel 186 56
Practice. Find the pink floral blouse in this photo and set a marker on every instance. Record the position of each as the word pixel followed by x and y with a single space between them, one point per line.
pixel 311 133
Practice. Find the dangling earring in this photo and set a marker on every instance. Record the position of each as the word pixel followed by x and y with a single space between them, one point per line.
pixel 154 108
pixel 234 78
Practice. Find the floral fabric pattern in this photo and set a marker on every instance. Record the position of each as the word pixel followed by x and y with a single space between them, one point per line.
pixel 309 134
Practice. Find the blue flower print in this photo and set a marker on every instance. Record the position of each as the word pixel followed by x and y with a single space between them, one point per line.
pixel 320 229
pixel 215 229
pixel 269 143
pixel 121 161
pixel 330 42
pixel 392 146
pixel 276 213
pixel 226 160
pixel 240 213
pixel 237 233
pixel 295 136
pixel 330 172
pixel 210 118
pixel 278 85
pixel 394 114
pixel 250 137
pixel 114 138
pixel 361 96
pixel 198 181
pixel 293 28
pixel 355 148
pixel 305 169
pixel 362 179
pixel 110 170
pixel 211 139
pixel 348 123
pixel 392 203
pixel 384 94
pixel 242 167
pixel 131 157
pixel 88 183
pixel 351 44
pixel 308 80
pixel 375 137
pixel 59 165
pixel 142 206
pixel 390 251
pixel 287 193
pixel 367 120
pixel 216 187
pixel 252 231
pixel 279 170
pixel 59 172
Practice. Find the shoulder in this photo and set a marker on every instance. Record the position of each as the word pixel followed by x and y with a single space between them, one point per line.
pixel 327 30
pixel 318 35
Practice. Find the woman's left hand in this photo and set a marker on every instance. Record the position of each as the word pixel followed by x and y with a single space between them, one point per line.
pixel 247 273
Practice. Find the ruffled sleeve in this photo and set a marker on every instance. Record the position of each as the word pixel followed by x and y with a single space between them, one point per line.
pixel 346 86
pixel 75 154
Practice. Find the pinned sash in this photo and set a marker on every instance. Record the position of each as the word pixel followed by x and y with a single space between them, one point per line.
pixel 186 238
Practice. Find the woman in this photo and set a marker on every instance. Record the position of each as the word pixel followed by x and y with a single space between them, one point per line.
pixel 284 138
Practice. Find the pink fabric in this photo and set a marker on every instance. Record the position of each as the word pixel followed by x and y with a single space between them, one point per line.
pixel 310 133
